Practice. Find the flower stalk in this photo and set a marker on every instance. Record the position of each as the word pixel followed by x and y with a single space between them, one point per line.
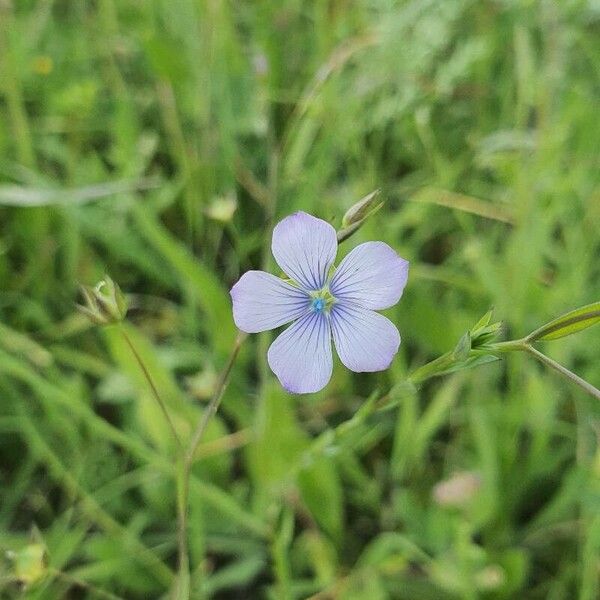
pixel 431 369
pixel 564 372
pixel 152 385
pixel 185 468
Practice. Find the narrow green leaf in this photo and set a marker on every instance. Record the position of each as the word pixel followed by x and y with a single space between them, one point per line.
pixel 571 322
pixel 16 195
pixel 278 459
pixel 484 321
pixel 461 352
pixel 240 573
pixel 469 363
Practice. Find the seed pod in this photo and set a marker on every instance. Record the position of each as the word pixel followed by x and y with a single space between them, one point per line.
pixel 105 303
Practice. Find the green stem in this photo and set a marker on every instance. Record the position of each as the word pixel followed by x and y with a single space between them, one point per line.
pixel 344 233
pixel 153 387
pixel 84 585
pixel 510 346
pixel 185 469
pixel 440 364
pixel 584 385
pixel 431 369
pixel 524 346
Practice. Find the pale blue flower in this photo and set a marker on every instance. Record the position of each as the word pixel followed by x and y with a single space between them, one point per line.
pixel 322 304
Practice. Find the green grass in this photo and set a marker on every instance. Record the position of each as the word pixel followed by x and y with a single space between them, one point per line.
pixel 124 125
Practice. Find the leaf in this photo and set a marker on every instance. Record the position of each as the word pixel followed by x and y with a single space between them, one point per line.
pixel 462 202
pixel 484 321
pixel 569 323
pixel 469 363
pixel 321 490
pixel 392 544
pixel 16 195
pixel 238 574
pixel 278 443
pixel 461 352
pixel 276 463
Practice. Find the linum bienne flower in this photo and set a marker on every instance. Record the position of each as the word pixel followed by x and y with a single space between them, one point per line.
pixel 322 303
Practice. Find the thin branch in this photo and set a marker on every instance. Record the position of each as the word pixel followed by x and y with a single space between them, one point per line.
pixel 92 589
pixel 582 383
pixel 213 405
pixel 188 459
pixel 153 387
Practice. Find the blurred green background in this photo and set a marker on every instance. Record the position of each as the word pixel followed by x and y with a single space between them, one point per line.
pixel 158 141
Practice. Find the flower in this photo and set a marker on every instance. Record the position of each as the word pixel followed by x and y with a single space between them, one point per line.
pixel 322 305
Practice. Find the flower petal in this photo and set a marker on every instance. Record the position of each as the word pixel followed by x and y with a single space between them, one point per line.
pixel 305 248
pixel 371 275
pixel 364 340
pixel 301 356
pixel 262 301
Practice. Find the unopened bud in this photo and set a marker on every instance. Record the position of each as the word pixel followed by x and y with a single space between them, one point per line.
pixel 30 563
pixel 357 214
pixel 490 578
pixel 484 331
pixel 222 209
pixel 105 303
pixel 364 208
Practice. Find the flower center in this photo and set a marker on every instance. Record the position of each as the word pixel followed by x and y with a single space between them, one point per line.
pixel 318 304
pixel 322 301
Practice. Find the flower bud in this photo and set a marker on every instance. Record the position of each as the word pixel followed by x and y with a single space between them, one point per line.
pixel 29 564
pixel 357 214
pixel 105 304
pixel 364 208
pixel 222 209
pixel 484 332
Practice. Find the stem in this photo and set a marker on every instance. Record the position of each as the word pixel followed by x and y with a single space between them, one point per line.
pixel 84 585
pixel 582 383
pixel 150 381
pixel 346 232
pixel 215 400
pixel 431 369
pixel 510 346
pixel 187 460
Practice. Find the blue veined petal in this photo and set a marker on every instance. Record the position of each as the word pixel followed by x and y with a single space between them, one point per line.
pixel 305 248
pixel 262 301
pixel 372 275
pixel 365 340
pixel 301 355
